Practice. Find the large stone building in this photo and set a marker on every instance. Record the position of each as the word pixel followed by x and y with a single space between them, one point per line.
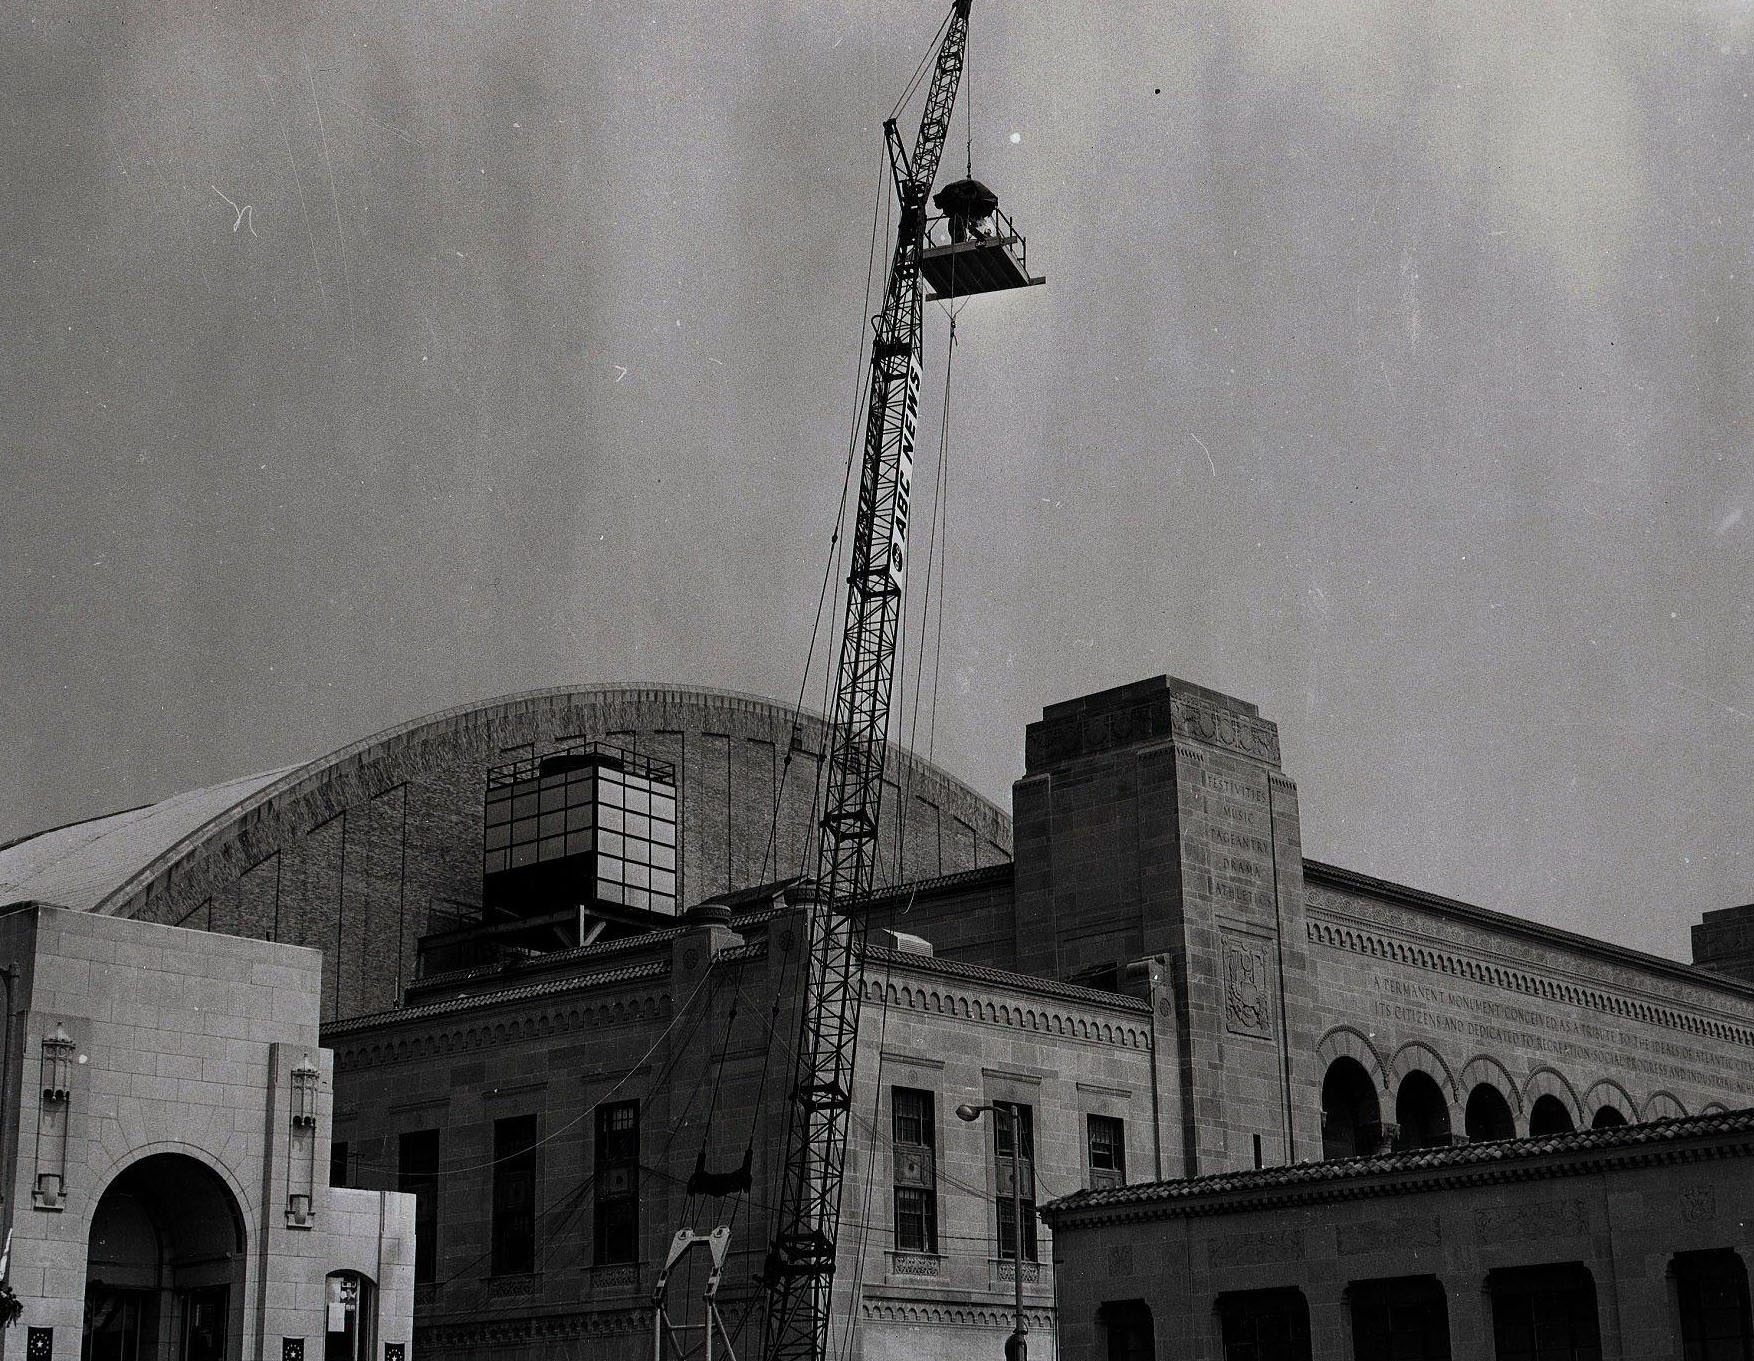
pixel 1145 964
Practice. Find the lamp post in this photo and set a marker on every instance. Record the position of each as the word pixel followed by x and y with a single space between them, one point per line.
pixel 1016 1346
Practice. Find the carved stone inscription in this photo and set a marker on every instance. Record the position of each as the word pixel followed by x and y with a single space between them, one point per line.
pixel 1231 835
pixel 1248 1007
pixel 1247 1249
pixel 1531 1219
pixel 1400 1234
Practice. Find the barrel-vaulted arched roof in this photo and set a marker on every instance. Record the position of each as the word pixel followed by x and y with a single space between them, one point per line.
pixel 82 863
pixel 307 853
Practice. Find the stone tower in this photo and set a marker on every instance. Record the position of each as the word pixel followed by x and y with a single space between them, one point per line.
pixel 1153 824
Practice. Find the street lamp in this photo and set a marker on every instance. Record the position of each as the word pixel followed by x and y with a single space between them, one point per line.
pixel 1016 1346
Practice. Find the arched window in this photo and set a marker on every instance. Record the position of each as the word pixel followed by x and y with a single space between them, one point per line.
pixel 1550 1115
pixel 1421 1112
pixel 1488 1115
pixel 1711 1292
pixel 1126 1326
pixel 1351 1116
pixel 1607 1117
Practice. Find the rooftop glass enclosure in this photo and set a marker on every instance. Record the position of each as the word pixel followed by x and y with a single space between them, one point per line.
pixel 574 843
pixel 594 820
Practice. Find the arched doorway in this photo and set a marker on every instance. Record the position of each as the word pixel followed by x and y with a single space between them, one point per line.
pixel 1351 1117
pixel 1607 1117
pixel 1488 1115
pixel 1550 1115
pixel 164 1268
pixel 1421 1112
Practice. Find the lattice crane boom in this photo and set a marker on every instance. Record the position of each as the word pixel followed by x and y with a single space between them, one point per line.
pixel 799 1273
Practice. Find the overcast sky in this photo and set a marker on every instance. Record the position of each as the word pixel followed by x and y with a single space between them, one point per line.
pixel 1393 373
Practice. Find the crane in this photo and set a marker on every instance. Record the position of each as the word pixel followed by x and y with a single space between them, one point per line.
pixel 984 254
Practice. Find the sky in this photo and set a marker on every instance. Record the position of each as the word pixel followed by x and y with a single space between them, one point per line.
pixel 1393 373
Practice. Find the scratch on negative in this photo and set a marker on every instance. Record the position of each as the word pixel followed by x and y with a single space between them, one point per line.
pixel 303 207
pixel 1707 699
pixel 1204 450
pixel 245 215
pixel 335 202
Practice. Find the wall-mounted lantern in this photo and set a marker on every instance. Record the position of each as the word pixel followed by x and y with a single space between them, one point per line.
pixel 58 1050
pixel 304 1094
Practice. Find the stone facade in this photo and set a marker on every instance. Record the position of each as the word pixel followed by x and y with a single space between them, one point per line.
pixel 166 1140
pixel 666 1021
pixel 1632 1208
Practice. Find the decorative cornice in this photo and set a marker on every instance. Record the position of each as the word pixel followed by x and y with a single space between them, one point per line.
pixel 969 1004
pixel 1004 978
pixel 1317 874
pixel 359 1046
pixel 1374 941
pixel 951 1313
pixel 500 997
pixel 1217 727
pixel 474 1336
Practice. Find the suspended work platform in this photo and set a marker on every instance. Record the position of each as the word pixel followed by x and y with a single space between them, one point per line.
pixel 972 247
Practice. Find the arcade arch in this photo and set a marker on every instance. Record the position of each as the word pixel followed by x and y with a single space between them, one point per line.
pixel 1488 1115
pixel 1552 1103
pixel 1609 1106
pixel 1421 1112
pixel 1351 1113
pixel 1550 1115
pixel 165 1265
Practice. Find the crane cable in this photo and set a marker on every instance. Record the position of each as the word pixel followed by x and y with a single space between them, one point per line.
pixel 881 210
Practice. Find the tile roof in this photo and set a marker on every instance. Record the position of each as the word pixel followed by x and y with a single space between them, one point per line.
pixel 499 997
pixel 1418 1170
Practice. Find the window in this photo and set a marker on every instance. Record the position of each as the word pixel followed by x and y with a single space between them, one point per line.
pixel 1545 1313
pixel 514 1196
pixel 1264 1325
pixel 1019 1165
pixel 1399 1320
pixel 1106 1140
pixel 1711 1290
pixel 417 1172
pixel 916 1170
pixel 1127 1328
pixel 338 1163
pixel 616 1236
